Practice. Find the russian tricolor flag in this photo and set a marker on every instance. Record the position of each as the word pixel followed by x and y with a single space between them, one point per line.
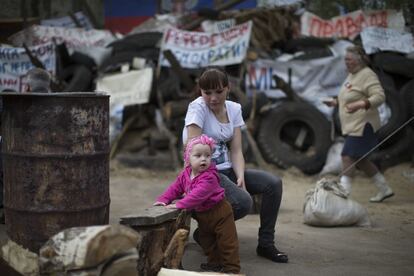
pixel 123 15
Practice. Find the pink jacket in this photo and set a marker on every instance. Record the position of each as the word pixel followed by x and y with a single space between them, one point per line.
pixel 200 194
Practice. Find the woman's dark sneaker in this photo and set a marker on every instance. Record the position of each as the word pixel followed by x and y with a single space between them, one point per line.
pixel 272 254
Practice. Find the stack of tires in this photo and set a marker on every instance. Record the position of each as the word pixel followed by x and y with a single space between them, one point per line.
pixel 396 73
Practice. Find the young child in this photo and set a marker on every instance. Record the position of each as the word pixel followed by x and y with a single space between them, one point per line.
pixel 199 183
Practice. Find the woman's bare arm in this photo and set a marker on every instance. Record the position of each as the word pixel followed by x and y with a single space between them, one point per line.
pixel 237 157
pixel 193 130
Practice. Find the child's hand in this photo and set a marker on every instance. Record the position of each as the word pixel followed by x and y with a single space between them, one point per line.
pixel 159 203
pixel 171 206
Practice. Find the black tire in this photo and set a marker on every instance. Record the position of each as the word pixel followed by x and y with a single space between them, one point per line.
pixel 396 150
pixel 407 94
pixel 395 63
pixel 80 58
pixel 279 129
pixel 77 78
pixel 299 44
pixel 314 54
pixel 114 62
pixel 134 42
pixel 394 102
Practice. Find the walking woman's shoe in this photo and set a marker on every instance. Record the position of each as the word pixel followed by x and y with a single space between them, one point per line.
pixel 382 194
pixel 272 254
pixel 384 191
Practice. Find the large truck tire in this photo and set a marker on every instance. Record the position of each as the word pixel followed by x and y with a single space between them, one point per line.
pixel 394 63
pixel 394 103
pixel 295 134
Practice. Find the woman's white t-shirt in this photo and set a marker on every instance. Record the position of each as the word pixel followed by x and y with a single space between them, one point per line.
pixel 199 113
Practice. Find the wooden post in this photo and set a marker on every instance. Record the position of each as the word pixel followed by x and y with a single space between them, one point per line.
pixel 162 230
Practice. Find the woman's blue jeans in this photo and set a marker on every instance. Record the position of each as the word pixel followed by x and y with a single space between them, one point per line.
pixel 257 182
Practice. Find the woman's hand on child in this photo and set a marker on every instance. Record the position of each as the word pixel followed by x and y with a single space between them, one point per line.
pixel 159 203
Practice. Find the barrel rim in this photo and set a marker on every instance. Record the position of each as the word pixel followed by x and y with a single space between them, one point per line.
pixel 56 94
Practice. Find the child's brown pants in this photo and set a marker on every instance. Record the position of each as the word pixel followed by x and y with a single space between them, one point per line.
pixel 218 236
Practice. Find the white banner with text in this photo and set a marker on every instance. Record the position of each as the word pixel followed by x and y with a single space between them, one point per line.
pixel 199 49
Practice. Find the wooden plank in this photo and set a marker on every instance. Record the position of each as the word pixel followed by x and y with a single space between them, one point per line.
pixel 150 216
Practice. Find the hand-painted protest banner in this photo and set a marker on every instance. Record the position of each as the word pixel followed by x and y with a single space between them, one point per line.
pixel 351 24
pixel 73 37
pixel 198 49
pixel 376 39
pixel 14 64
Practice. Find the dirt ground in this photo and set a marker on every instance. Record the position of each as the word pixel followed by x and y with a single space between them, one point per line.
pixel 386 248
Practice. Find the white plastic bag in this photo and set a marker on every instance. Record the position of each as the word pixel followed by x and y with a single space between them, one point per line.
pixel 327 205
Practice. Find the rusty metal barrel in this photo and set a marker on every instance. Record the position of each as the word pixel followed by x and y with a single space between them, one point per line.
pixel 56 163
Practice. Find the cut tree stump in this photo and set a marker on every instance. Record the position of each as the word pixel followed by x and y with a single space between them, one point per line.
pixel 164 233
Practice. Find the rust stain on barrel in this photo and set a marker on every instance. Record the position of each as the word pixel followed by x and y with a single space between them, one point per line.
pixel 56 165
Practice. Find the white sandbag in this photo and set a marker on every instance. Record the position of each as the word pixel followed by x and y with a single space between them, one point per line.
pixel 327 205
pixel 333 164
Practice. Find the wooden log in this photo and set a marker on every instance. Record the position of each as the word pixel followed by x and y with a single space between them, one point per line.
pixel 85 247
pixel 175 249
pixel 172 138
pixel 116 142
pixel 287 89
